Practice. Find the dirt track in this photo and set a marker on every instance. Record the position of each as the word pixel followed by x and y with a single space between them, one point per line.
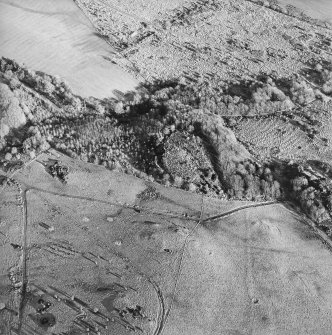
pixel 56 37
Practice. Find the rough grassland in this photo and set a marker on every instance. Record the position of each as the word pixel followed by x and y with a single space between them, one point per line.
pixel 116 242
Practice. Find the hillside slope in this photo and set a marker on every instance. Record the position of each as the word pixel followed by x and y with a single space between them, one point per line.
pixel 55 37
pixel 137 256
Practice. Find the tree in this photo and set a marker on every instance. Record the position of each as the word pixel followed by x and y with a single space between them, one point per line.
pixel 249 186
pixel 11 114
pixel 237 186
pixel 328 201
pixel 299 183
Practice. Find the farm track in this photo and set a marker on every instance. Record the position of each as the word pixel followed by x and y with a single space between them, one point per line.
pixel 171 214
pixel 118 204
pixel 24 261
pixel 238 209
pixel 161 312
pixel 322 236
pixel 166 316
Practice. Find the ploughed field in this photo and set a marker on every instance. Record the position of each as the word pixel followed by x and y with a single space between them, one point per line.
pixel 55 37
pixel 114 254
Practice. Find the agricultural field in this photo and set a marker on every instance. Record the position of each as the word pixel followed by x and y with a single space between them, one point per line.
pixel 213 39
pixel 108 253
pixel 56 37
pixel 165 167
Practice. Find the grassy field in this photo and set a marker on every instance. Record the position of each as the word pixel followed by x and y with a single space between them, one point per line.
pixel 55 37
pixel 102 252
pixel 211 38
pixel 320 9
pixel 132 255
